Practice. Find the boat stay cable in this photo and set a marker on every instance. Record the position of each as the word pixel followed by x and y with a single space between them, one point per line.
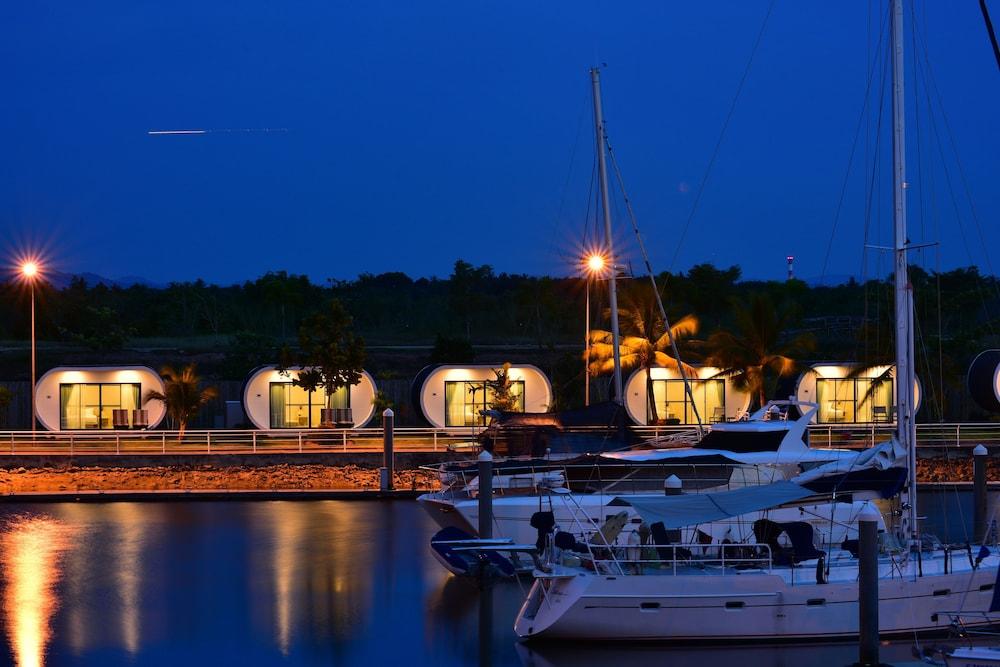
pixel 989 30
pixel 722 135
pixel 652 280
pixel 930 85
pixel 854 145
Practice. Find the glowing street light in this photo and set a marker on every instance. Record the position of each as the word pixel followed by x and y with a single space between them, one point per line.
pixel 594 264
pixel 29 272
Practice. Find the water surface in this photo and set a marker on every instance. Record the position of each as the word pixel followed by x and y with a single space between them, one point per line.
pixel 279 583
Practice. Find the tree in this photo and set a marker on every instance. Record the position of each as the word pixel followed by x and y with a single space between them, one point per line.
pixel 708 289
pixel 284 291
pixel 6 398
pixel 101 330
pixel 467 293
pixel 504 398
pixel 644 343
pixel 756 353
pixel 330 354
pixel 452 351
pixel 182 395
pixel 381 402
pixel 247 350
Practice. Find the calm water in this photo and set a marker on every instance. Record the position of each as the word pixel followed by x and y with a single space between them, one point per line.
pixel 273 583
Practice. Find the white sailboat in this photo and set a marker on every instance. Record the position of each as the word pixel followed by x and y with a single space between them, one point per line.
pixel 756 591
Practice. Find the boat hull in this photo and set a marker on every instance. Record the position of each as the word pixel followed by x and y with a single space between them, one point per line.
pixel 745 607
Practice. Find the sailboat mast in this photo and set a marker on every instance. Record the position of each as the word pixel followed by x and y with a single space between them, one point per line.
pixel 595 78
pixel 905 425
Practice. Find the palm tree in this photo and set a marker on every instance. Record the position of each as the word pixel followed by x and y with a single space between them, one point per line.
pixel 182 395
pixel 755 352
pixel 504 398
pixel 645 342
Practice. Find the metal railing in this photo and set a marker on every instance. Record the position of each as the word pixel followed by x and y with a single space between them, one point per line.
pixel 618 559
pixel 218 441
pixel 226 441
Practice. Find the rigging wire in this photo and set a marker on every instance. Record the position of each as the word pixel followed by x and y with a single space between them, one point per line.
pixel 722 134
pixel 854 145
pixel 938 396
pixel 954 199
pixel 929 74
pixel 572 163
pixel 652 279
pixel 872 187
pixel 989 30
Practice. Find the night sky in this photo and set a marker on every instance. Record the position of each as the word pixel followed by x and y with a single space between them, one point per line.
pixel 408 135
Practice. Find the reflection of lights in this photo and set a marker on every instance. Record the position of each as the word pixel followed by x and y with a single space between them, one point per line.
pixel 289 533
pixel 30 551
pixel 131 529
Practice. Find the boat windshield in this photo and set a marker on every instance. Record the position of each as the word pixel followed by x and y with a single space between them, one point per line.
pixel 743 441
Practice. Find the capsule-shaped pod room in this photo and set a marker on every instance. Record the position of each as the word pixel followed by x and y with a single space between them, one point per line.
pixel 84 398
pixel 851 393
pixel 715 398
pixel 273 401
pixel 984 380
pixel 454 395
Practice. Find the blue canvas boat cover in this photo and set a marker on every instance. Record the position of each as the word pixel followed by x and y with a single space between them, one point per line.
pixel 694 508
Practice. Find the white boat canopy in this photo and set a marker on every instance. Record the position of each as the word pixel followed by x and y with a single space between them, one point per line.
pixel 692 509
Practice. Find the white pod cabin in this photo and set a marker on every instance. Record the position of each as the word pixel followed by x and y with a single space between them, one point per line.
pixel 715 398
pixel 848 393
pixel 272 401
pixel 454 396
pixel 98 398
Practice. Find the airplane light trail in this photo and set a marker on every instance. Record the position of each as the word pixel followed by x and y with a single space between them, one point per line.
pixel 223 130
pixel 152 132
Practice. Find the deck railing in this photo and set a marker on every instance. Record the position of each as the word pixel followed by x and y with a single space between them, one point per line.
pixel 633 559
pixel 232 441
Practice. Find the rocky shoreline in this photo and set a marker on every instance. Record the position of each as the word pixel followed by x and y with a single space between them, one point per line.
pixel 283 477
pixel 299 477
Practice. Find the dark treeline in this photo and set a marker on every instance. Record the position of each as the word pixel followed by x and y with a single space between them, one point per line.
pixel 956 313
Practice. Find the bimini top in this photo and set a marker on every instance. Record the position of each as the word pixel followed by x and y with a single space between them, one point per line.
pixel 879 469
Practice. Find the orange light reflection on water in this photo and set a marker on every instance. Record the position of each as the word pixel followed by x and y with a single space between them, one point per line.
pixel 31 549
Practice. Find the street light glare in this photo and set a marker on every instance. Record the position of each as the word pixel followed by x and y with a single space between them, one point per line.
pixel 595 263
pixel 29 269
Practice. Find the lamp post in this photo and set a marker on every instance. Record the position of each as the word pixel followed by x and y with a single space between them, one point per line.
pixel 594 266
pixel 29 271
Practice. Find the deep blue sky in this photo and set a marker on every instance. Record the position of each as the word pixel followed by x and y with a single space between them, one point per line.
pixel 418 133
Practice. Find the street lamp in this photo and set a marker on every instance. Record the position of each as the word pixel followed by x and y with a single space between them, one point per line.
pixel 594 264
pixel 29 272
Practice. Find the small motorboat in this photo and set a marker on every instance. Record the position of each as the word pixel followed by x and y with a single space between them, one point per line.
pixel 465 555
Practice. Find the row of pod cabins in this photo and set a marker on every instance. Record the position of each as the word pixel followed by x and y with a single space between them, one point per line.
pixel 452 396
pixel 108 398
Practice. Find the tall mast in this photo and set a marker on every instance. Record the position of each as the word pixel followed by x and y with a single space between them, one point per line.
pixel 905 425
pixel 595 78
